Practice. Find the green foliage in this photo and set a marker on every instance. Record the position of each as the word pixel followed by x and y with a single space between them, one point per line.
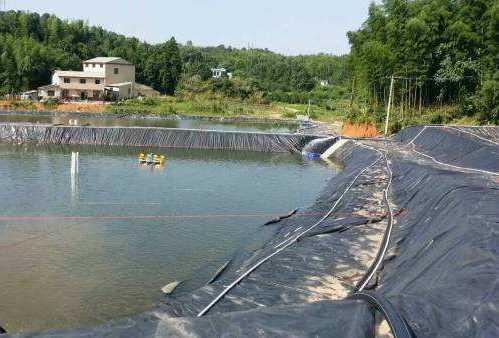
pixel 488 102
pixel 440 50
pixel 165 67
pixel 32 46
pixel 150 101
pixel 50 103
pixel 289 114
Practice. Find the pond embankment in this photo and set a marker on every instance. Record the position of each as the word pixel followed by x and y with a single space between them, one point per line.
pixel 155 136
pixel 142 116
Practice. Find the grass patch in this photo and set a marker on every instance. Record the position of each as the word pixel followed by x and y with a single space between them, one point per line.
pixel 214 105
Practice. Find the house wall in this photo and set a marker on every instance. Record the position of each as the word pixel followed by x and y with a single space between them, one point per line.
pixel 76 94
pixel 98 68
pixel 125 92
pixel 43 93
pixel 126 73
pixel 55 79
pixel 75 84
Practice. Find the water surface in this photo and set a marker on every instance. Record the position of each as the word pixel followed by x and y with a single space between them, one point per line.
pixel 157 122
pixel 83 251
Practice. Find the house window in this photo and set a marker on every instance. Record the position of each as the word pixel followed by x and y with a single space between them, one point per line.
pixel 116 71
pixel 102 65
pixel 67 80
pixel 96 94
pixel 65 93
pixel 83 81
pixel 86 65
pixel 50 93
pixel 97 81
pixel 93 65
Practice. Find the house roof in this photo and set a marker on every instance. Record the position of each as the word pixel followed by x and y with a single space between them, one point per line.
pixel 143 86
pixel 121 84
pixel 50 86
pixel 71 73
pixel 102 59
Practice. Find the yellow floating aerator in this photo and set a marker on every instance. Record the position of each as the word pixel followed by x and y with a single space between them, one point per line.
pixel 151 159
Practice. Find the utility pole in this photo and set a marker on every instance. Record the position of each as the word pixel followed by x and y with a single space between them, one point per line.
pixel 351 95
pixel 390 99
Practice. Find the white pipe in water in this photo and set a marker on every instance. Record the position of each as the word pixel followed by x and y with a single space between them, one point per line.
pixel 75 159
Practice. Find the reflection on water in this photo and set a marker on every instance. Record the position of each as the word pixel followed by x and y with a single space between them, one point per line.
pixel 103 251
pixel 151 122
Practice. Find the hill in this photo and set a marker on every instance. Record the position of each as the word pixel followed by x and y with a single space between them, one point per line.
pixel 33 45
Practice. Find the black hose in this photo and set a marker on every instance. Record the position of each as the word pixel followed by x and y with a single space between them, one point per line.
pixel 398 325
pixel 280 218
pixel 386 237
pixel 219 272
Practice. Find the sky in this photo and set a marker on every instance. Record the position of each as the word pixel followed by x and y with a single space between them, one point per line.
pixel 289 27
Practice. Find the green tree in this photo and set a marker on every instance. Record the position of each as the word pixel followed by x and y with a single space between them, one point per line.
pixel 170 68
pixel 8 70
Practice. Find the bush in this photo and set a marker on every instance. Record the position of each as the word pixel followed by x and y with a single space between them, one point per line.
pixel 487 102
pixel 395 127
pixel 51 103
pixel 150 101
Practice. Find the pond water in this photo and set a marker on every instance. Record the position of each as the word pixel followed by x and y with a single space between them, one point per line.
pixel 157 122
pixel 82 250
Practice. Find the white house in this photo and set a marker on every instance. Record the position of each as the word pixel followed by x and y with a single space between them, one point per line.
pixel 220 72
pixel 101 77
pixel 30 95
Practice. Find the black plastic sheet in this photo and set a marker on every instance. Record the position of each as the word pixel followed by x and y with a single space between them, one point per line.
pixel 321 319
pixel 155 136
pixel 471 147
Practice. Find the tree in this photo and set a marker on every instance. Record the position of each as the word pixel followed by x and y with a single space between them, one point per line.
pixel 8 70
pixel 170 67
pixel 35 45
pixel 442 51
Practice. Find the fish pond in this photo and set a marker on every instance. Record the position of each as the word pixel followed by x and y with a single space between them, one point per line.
pixel 185 123
pixel 82 249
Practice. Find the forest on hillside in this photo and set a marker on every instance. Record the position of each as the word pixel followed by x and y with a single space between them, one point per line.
pixel 443 56
pixel 33 45
pixel 440 52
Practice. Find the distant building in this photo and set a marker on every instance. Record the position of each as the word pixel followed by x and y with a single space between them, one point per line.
pixel 220 72
pixel 324 83
pixel 30 95
pixel 102 77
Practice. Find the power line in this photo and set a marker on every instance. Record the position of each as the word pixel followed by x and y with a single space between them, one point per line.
pixel 437 79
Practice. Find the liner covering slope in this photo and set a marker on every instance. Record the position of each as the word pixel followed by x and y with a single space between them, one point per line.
pixel 472 147
pixel 154 136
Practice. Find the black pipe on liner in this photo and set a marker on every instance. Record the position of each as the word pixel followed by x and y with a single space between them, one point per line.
pixel 398 325
pixel 386 237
